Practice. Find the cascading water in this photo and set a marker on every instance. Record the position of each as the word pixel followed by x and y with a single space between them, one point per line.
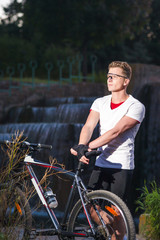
pixel 58 123
pixel 64 112
pixel 60 135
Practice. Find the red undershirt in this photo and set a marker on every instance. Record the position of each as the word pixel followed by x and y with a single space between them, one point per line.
pixel 115 105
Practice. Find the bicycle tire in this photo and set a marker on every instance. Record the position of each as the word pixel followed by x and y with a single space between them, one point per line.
pixel 17 219
pixel 78 223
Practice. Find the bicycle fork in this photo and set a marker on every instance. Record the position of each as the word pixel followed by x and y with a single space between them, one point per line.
pixel 85 201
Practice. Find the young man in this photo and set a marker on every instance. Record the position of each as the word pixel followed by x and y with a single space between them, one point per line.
pixel 119 116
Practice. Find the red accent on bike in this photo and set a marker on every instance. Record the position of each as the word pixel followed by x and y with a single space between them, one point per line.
pixel 81 234
pixel 42 165
pixel 29 172
pixel 87 217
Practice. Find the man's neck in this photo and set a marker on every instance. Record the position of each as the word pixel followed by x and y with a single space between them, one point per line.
pixel 118 97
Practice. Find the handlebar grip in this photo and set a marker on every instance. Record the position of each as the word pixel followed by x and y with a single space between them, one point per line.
pixel 44 146
pixel 93 153
pixel 37 145
pixel 27 144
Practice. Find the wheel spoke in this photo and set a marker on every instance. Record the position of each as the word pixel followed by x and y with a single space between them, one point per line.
pixel 110 218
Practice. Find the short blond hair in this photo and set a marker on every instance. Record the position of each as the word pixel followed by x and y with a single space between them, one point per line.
pixel 127 70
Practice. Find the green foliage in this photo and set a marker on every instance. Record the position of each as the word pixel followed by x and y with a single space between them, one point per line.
pixel 84 26
pixel 2 237
pixel 14 50
pixel 149 202
pixel 53 54
pixel 82 22
pixel 153 32
pixel 100 77
pixel 112 30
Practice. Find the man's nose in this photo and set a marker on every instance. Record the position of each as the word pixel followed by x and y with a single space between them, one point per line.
pixel 109 78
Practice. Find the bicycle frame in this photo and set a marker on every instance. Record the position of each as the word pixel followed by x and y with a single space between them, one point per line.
pixel 77 184
pixel 91 203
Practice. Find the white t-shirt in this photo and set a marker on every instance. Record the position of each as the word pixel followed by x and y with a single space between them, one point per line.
pixel 119 153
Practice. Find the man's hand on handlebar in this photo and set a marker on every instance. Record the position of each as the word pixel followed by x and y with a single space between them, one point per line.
pixel 79 151
pixel 84 153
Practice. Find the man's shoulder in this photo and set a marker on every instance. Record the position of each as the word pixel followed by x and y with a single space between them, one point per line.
pixel 136 109
pixel 136 106
pixel 101 102
pixel 133 100
pixel 103 99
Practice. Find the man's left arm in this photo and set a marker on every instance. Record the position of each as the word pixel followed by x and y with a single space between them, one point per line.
pixel 124 124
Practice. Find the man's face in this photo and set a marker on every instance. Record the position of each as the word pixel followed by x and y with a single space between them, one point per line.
pixel 116 80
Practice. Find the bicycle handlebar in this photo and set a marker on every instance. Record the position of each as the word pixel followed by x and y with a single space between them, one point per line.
pixel 33 146
pixel 38 146
pixel 93 153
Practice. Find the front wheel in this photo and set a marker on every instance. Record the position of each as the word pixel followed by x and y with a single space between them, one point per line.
pixel 15 214
pixel 110 218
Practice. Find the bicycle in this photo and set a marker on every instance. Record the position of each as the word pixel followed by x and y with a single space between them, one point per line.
pixel 78 221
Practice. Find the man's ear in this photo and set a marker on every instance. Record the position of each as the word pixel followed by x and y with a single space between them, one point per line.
pixel 126 81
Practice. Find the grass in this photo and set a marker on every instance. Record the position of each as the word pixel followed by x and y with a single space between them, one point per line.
pixel 98 78
pixel 149 203
pixel 29 80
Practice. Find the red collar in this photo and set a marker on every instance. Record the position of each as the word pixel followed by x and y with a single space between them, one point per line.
pixel 115 105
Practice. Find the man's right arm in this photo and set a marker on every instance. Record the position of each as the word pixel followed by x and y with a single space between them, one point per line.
pixel 87 130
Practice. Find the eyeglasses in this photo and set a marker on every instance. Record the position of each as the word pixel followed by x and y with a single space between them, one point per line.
pixel 114 76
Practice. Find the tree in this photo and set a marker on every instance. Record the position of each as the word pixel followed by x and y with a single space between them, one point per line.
pixel 85 26
pixel 13 21
pixel 153 33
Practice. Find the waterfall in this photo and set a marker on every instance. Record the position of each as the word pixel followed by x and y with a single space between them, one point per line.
pixel 61 136
pixel 58 123
pixel 64 112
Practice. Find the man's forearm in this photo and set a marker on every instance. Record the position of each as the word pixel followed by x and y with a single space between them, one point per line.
pixel 85 135
pixel 124 124
pixel 103 139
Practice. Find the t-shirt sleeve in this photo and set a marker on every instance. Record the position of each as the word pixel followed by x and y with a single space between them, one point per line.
pixel 136 111
pixel 95 106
